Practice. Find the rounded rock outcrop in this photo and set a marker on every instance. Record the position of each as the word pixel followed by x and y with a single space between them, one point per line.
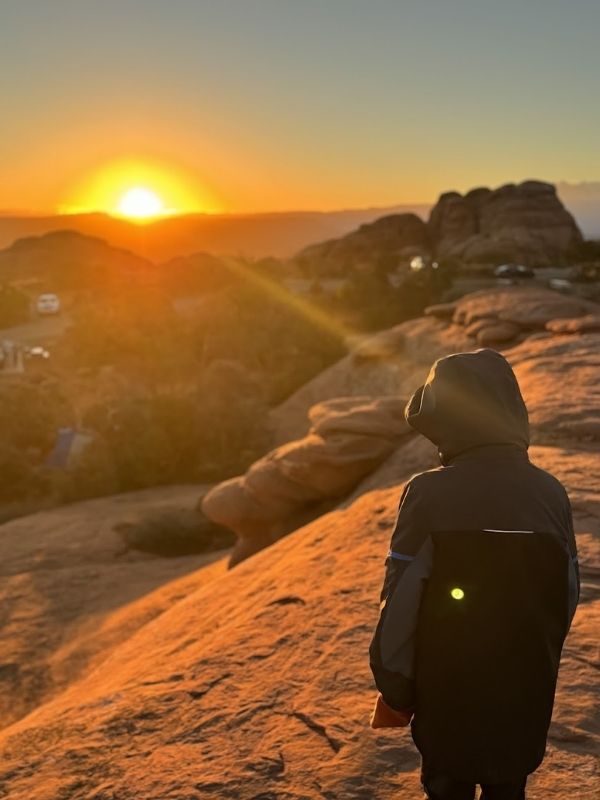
pixel 349 437
pixel 526 223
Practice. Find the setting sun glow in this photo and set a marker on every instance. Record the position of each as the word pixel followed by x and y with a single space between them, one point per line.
pixel 140 203
pixel 140 190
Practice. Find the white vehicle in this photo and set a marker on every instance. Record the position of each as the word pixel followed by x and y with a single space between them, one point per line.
pixel 48 304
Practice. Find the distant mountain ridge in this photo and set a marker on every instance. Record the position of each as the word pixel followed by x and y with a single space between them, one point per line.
pixel 279 234
pixel 255 235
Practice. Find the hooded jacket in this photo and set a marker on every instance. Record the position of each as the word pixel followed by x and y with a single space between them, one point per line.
pixel 481 580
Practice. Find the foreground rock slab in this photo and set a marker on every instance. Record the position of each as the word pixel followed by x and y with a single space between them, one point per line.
pixel 257 685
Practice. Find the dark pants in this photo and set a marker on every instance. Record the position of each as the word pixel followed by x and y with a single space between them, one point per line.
pixel 438 787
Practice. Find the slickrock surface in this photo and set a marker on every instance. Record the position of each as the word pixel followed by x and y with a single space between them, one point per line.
pixel 256 684
pixel 67 589
pixel 151 681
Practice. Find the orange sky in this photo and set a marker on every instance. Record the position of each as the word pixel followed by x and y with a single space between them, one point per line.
pixel 263 105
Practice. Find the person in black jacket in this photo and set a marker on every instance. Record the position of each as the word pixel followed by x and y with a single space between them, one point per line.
pixel 480 588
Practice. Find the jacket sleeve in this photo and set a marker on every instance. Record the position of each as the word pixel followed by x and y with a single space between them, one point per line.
pixel 574 579
pixel 407 567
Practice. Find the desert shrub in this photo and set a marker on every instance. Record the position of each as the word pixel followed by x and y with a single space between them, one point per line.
pixel 175 532
pixel 32 408
pixel 22 478
pixel 140 335
pixel 145 438
pixel 232 422
pixel 209 432
pixel 279 338
pixel 14 306
pixel 93 475
pixel 377 304
pixel 200 273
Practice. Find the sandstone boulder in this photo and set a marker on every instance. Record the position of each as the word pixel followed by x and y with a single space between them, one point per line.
pixel 591 322
pixel 441 310
pixel 452 220
pixel 385 242
pixel 525 306
pixel 348 439
pixel 526 223
pixel 497 334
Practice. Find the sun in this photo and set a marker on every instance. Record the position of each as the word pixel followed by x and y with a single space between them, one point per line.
pixel 140 203
pixel 140 190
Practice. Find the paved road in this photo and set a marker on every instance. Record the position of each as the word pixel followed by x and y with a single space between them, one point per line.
pixel 38 331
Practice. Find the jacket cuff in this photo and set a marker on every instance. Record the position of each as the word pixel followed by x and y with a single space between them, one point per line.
pixel 397 691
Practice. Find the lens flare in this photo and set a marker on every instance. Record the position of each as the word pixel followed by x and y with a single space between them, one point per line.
pixel 457 593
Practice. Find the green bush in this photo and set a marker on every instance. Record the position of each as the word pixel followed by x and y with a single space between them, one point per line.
pixel 14 306
pixel 141 336
pixel 21 477
pixel 93 475
pixel 377 304
pixel 32 408
pixel 205 433
pixel 281 339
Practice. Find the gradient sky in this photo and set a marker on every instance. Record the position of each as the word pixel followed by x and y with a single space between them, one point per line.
pixel 298 104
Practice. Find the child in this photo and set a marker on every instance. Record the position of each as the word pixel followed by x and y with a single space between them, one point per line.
pixel 480 588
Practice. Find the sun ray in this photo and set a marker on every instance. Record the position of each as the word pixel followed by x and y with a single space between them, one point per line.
pixel 314 314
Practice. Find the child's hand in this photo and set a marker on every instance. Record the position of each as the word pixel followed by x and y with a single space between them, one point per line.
pixel 383 716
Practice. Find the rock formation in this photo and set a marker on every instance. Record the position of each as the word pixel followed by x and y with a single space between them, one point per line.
pixel 349 437
pixel 383 243
pixel 499 316
pixel 64 576
pixel 524 223
pixel 591 322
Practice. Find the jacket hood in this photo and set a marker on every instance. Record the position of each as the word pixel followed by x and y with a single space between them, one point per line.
pixel 469 400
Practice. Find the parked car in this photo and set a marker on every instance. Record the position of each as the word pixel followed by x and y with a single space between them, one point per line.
pixel 48 304
pixel 37 353
pixel 560 284
pixel 513 271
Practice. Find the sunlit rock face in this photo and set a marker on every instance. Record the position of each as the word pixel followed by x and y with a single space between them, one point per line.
pixel 349 438
pixel 526 223
pixel 383 243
